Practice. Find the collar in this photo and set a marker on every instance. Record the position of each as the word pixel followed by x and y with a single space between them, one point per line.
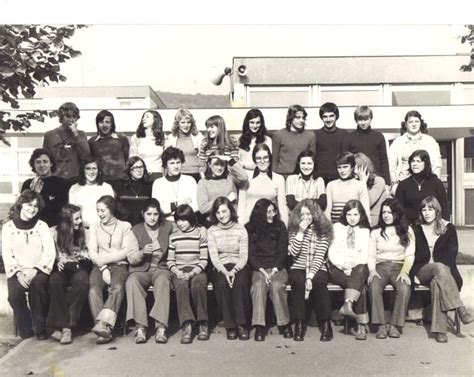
pixel 229 225
pixel 414 138
pixel 25 225
pixel 330 130
pixel 300 176
pixel 113 135
pixel 257 171
pixel 173 178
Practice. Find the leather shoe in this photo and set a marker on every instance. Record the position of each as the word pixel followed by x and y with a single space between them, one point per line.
pixel 346 310
pixel 361 333
pixel 231 334
pixel 441 337
pixel 464 315
pixel 382 332
pixel 299 331
pixel 186 336
pixel 259 333
pixel 244 333
pixel 326 332
pixel 42 336
pixel 286 331
pixel 203 331
pixel 393 332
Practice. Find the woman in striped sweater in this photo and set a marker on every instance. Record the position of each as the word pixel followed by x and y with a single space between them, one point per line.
pixel 187 261
pixel 341 190
pixel 310 234
pixel 228 249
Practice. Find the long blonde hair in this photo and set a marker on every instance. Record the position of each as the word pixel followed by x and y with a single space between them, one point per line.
pixel 439 223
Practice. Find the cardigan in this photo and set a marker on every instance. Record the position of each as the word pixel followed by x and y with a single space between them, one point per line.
pixel 188 250
pixel 139 261
pixel 329 143
pixel 148 151
pixel 298 189
pixel 67 149
pixel 445 251
pixel 389 249
pixel 208 190
pixel 24 249
pixel 262 186
pixel 228 244
pixel 372 143
pixel 54 194
pixel 410 197
pixel 401 149
pixel 287 145
pixel 340 255
pixel 269 247
pixel 112 154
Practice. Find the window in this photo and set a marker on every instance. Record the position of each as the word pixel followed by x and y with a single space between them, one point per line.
pixel 405 95
pixel 352 95
pixel 278 96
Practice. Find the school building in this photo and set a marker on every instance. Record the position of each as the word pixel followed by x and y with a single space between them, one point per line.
pixel 390 85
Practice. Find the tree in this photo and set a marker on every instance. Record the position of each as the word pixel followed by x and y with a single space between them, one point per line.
pixel 30 55
pixel 469 37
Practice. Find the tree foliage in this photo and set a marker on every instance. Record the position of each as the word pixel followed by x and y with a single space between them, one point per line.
pixel 30 55
pixel 469 37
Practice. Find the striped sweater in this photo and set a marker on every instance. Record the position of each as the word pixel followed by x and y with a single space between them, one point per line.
pixel 188 250
pixel 228 244
pixel 205 151
pixel 309 252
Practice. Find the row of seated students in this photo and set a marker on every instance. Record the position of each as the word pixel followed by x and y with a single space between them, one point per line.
pixel 247 263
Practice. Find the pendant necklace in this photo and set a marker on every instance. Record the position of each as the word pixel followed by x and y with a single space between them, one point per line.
pixel 418 184
pixel 109 234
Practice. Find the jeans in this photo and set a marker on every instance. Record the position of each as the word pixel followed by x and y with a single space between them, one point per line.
pixel 444 293
pixel 278 295
pixel 107 312
pixel 65 307
pixel 195 289
pixel 26 320
pixel 137 286
pixel 320 295
pixel 355 288
pixel 389 272
pixel 234 302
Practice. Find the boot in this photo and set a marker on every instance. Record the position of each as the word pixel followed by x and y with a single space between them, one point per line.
pixel 464 315
pixel 203 331
pixel 326 331
pixel 361 333
pixel 186 335
pixel 299 331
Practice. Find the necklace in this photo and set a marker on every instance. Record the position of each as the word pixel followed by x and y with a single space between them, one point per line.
pixel 137 193
pixel 418 184
pixel 109 234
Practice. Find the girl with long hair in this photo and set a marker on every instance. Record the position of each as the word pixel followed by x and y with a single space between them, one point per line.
pixel 435 265
pixel 347 257
pixel 310 234
pixel 268 240
pixel 253 132
pixel 391 256
pixel 73 266
pixel 148 142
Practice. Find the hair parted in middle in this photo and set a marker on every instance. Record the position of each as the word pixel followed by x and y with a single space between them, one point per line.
pixel 183 114
pixel 321 224
pixel 355 204
pixel 439 223
pixel 68 238
pixel 291 114
pixel 222 200
pixel 157 128
pixel 425 157
pixel 247 134
pixel 400 221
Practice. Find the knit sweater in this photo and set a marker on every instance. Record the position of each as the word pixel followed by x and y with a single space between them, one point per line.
pixel 246 156
pixel 86 197
pixel 131 195
pixel 377 195
pixel 112 154
pixel 402 148
pixel 339 192
pixel 228 244
pixel 299 248
pixel 372 143
pixel 205 150
pixel 54 194
pixel 146 148
pixel 340 255
pixel 269 247
pixel 445 251
pixel 262 186
pixel 110 241
pixel 329 143
pixel 300 189
pixel 188 250
pixel 24 249
pixel 67 149
pixel 389 249
pixel 410 196
pixel 287 145
pixel 209 190
pixel 172 193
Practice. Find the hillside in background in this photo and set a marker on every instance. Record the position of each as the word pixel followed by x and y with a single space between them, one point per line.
pixel 193 101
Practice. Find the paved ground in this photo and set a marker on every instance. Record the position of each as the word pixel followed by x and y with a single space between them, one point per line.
pixel 414 354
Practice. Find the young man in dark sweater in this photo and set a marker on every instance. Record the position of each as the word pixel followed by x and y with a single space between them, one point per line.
pixel 372 143
pixel 330 141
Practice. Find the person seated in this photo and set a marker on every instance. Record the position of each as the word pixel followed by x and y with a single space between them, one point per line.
pixel 310 234
pixel 73 266
pixel 268 247
pixel 147 256
pixel 435 266
pixel 347 257
pixel 391 256
pixel 108 247
pixel 187 261
pixel 28 256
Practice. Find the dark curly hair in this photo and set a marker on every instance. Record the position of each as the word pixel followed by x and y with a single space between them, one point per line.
pixel 400 221
pixel 321 223
pixel 246 138
pixel 258 225
pixel 416 114
pixel 157 128
pixel 39 152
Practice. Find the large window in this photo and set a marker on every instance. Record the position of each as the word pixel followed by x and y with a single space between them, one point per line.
pixel 413 95
pixel 352 95
pixel 278 96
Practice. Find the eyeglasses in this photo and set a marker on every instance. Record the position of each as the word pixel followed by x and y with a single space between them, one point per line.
pixel 262 159
pixel 137 168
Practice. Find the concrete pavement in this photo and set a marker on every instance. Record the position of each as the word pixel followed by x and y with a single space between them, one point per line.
pixel 414 354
